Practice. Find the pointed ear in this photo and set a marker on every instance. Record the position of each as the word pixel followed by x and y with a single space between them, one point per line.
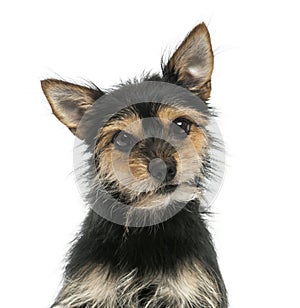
pixel 69 101
pixel 192 63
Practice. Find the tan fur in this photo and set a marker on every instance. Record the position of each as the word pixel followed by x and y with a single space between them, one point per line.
pixel 130 171
pixel 130 123
pixel 168 114
pixel 190 286
pixel 112 161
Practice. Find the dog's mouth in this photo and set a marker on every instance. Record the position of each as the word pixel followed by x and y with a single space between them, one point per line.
pixel 169 188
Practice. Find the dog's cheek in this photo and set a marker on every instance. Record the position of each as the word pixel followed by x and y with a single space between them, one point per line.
pixel 198 139
pixel 106 163
pixel 190 156
pixel 187 166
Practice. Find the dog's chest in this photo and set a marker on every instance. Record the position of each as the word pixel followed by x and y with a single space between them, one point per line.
pixel 191 286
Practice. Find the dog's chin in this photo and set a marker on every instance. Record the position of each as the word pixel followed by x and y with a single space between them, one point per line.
pixel 179 192
pixel 166 195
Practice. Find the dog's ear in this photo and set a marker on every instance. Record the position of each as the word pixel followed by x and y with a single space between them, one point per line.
pixel 192 63
pixel 69 101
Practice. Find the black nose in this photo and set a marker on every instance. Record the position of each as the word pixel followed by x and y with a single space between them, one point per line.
pixel 162 170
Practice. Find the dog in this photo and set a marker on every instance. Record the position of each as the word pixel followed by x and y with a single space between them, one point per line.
pixel 149 245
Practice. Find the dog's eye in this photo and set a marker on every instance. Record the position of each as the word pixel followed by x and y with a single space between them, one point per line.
pixel 183 127
pixel 123 140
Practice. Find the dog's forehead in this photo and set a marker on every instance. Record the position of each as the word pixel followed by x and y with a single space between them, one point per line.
pixel 147 97
pixel 155 112
pixel 142 100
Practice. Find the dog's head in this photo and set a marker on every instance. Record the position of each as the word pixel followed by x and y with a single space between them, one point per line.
pixel 148 137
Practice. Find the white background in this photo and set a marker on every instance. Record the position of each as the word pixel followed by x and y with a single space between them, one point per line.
pixel 255 88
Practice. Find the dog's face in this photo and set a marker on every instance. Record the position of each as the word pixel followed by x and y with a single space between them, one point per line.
pixel 149 150
pixel 148 153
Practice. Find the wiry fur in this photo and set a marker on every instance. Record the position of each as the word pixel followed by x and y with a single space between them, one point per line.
pixel 132 177
pixel 155 266
pixel 169 264
pixel 190 287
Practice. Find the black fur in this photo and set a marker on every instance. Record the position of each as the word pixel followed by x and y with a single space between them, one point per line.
pixel 160 248
pixel 150 249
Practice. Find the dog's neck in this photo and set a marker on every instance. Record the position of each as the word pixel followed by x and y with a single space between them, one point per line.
pixel 182 237
pixel 159 259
